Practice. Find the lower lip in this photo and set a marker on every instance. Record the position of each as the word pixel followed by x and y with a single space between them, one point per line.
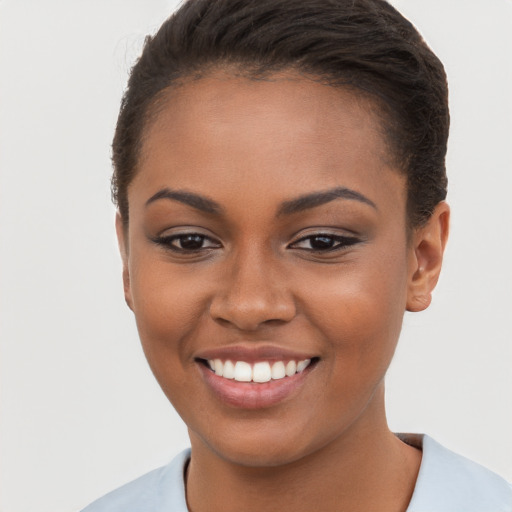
pixel 252 395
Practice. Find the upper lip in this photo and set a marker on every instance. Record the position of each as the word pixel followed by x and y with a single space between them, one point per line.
pixel 252 354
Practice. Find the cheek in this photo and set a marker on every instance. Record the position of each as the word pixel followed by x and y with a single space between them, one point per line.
pixel 169 307
pixel 360 308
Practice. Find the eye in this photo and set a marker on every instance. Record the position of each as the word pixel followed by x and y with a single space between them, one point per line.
pixel 187 242
pixel 324 242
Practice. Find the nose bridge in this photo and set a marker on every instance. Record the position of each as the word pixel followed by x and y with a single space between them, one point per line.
pixel 254 291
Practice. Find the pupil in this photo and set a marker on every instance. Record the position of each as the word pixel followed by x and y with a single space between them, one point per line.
pixel 191 241
pixel 322 242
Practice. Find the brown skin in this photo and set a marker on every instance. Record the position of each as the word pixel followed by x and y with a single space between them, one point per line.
pixel 250 146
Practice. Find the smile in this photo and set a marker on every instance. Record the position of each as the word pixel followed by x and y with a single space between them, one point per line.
pixel 260 372
pixel 255 377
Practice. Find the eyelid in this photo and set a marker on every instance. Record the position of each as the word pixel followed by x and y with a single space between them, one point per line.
pixel 170 235
pixel 342 241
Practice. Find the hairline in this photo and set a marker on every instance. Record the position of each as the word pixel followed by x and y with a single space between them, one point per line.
pixel 372 103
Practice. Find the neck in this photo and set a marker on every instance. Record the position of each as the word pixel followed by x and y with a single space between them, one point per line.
pixel 365 468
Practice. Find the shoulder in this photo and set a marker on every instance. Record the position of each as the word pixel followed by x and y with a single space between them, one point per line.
pixel 448 482
pixel 156 491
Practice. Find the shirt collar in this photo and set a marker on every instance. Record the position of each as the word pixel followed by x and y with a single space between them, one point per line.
pixel 446 482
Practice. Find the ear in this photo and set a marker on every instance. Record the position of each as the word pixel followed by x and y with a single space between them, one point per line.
pixel 122 241
pixel 427 248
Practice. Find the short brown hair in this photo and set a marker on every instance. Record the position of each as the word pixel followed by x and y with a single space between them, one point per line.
pixel 366 45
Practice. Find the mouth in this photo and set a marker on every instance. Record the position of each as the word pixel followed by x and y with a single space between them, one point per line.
pixel 258 372
pixel 249 383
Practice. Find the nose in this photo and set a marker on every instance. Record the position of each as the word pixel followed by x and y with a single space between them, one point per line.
pixel 252 294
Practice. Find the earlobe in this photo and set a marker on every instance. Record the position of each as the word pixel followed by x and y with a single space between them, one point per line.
pixel 428 245
pixel 123 249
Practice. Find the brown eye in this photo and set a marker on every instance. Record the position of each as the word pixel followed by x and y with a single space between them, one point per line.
pixel 323 242
pixel 187 242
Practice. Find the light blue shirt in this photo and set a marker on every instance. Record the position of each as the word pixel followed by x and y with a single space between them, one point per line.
pixel 446 483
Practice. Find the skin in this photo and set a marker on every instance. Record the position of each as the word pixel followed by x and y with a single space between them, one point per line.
pixel 251 146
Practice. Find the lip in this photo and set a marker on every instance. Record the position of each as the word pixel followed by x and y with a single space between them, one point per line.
pixel 252 354
pixel 252 395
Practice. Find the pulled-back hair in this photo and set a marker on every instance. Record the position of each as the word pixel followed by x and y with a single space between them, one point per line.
pixel 365 45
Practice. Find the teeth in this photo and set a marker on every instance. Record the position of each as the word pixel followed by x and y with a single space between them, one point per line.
pixel 218 367
pixel 243 371
pixel 302 365
pixel 229 370
pixel 291 368
pixel 278 370
pixel 259 372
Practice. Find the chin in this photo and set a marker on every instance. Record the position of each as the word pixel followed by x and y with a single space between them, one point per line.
pixel 259 447
pixel 269 455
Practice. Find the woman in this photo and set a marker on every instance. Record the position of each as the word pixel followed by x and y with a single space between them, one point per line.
pixel 280 179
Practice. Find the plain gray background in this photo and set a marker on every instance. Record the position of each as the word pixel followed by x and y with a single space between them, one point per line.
pixel 81 412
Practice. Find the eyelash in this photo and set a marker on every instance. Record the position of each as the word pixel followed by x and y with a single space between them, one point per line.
pixel 336 242
pixel 167 242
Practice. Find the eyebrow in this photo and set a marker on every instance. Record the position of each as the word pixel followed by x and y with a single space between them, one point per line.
pixel 315 199
pixel 197 201
pixel 299 204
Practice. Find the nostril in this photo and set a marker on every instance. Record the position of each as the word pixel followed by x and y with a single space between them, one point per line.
pixel 226 323
pixel 274 321
pixel 249 315
pixel 252 295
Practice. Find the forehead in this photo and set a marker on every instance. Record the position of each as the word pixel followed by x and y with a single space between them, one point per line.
pixel 252 134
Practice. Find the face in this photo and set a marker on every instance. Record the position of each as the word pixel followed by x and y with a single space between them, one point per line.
pixel 267 233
